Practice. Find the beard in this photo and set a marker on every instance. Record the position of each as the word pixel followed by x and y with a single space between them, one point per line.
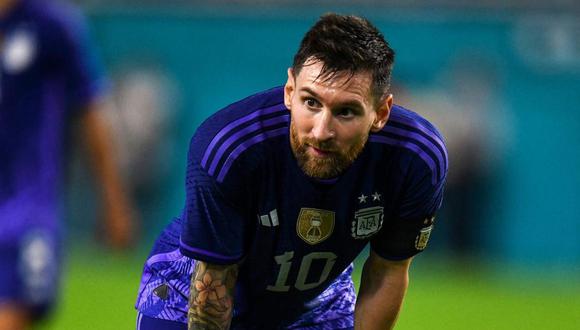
pixel 327 167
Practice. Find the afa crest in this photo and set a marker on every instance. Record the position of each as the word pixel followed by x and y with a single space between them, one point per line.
pixel 367 222
pixel 314 225
pixel 423 238
pixel 19 51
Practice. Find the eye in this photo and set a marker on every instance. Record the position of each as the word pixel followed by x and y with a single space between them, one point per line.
pixel 346 113
pixel 311 102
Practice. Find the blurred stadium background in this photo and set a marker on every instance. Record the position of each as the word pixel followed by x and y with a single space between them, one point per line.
pixel 500 78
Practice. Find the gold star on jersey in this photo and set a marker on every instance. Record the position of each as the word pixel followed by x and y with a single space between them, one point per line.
pixel 369 220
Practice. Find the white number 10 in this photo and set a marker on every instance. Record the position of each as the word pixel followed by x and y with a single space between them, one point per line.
pixel 285 262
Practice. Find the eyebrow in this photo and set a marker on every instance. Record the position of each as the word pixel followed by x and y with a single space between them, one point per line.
pixel 353 104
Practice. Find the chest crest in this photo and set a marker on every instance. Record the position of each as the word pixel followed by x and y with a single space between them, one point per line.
pixel 368 219
pixel 314 225
pixel 18 51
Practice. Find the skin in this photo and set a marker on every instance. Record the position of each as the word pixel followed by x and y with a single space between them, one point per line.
pixel 383 287
pixel 118 221
pixel 211 298
pixel 331 118
pixel 331 122
pixel 119 225
pixel 6 5
pixel 13 317
pixel 118 216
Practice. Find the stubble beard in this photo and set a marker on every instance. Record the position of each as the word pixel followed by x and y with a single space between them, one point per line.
pixel 327 167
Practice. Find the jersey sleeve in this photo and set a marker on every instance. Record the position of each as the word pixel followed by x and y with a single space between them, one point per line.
pixel 214 224
pixel 407 232
pixel 82 69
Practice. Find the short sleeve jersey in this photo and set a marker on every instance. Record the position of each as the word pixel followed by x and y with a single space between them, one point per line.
pixel 248 202
pixel 48 71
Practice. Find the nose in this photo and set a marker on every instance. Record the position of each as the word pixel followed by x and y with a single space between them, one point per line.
pixel 323 127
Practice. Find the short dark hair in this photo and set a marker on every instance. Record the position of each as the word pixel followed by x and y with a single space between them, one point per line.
pixel 348 44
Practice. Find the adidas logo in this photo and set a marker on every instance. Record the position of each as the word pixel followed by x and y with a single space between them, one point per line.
pixel 269 220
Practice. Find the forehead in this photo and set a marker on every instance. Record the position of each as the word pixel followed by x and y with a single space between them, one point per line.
pixel 338 87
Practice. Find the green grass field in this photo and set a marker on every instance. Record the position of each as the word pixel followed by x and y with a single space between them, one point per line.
pixel 99 292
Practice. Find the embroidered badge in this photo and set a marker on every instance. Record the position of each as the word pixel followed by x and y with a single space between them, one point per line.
pixel 423 238
pixel 367 222
pixel 19 51
pixel 314 225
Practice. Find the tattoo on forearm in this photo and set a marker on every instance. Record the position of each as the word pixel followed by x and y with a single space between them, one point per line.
pixel 211 296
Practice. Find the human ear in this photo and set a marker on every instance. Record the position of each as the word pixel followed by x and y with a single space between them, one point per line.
pixel 289 89
pixel 383 112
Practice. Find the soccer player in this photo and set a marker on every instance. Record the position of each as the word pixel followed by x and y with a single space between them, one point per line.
pixel 286 187
pixel 48 76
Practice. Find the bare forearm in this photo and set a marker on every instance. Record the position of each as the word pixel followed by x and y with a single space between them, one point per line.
pixel 211 298
pixel 119 222
pixel 380 298
pixel 100 149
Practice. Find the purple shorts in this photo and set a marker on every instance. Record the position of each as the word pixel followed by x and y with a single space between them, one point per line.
pixel 30 269
pixel 167 309
pixel 164 291
pixel 145 322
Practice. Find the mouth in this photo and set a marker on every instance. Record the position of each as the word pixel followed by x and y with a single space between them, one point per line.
pixel 320 152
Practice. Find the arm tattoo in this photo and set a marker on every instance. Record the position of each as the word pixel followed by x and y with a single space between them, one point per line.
pixel 211 296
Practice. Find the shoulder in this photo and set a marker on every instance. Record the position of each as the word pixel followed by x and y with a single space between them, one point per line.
pixel 418 140
pixel 221 140
pixel 58 24
pixel 54 14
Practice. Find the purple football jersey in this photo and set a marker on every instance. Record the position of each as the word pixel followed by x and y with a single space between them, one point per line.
pixel 48 72
pixel 295 237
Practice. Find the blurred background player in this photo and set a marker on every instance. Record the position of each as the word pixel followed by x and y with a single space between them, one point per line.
pixel 467 106
pixel 49 77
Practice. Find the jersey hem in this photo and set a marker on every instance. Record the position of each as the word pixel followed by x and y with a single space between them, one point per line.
pixel 207 256
pixel 396 258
